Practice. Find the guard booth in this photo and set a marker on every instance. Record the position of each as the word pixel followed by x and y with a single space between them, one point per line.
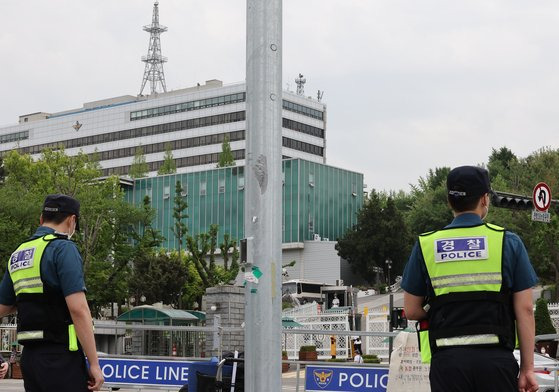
pixel 339 296
pixel 164 343
pixel 342 299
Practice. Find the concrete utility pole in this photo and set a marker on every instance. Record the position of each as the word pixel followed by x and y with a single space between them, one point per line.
pixel 263 208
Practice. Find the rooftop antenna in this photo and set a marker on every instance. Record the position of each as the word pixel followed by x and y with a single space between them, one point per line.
pixel 153 71
pixel 319 95
pixel 300 82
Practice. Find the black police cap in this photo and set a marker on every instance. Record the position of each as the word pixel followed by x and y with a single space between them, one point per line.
pixel 64 204
pixel 464 181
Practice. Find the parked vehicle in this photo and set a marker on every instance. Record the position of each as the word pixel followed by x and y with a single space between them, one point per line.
pixel 304 290
pixel 545 369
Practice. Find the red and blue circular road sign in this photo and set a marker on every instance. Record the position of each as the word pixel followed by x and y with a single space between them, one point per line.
pixel 541 196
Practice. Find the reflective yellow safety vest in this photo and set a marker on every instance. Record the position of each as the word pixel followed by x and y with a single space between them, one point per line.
pixel 471 307
pixel 42 313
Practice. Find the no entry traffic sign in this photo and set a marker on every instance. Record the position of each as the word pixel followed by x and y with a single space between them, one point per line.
pixel 541 197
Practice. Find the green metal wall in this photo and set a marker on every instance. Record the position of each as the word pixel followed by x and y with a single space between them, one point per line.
pixel 317 199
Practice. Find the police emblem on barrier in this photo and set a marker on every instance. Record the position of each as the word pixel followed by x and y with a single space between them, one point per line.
pixel 22 259
pixel 322 377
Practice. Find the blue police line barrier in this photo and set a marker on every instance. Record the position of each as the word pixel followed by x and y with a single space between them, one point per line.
pixel 123 372
pixel 346 379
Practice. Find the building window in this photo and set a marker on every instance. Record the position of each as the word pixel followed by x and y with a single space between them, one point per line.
pixel 304 110
pixel 143 131
pixel 221 185
pixel 187 106
pixel 180 162
pixel 14 137
pixel 203 188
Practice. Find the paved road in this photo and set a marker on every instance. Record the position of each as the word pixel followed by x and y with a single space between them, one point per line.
pixel 289 381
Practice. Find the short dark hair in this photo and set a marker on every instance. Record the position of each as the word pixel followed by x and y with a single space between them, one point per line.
pixel 461 204
pixel 55 217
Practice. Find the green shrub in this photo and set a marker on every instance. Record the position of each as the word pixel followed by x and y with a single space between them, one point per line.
pixel 544 326
pixel 336 360
pixel 307 348
pixel 370 358
pixel 284 353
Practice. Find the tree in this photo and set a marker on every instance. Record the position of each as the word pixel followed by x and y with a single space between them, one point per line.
pixel 106 220
pixel 194 289
pixel 139 167
pixel 380 234
pixel 159 277
pixel 544 325
pixel 201 247
pixel 429 209
pixel 540 238
pixel 229 271
pixel 179 214
pixel 226 158
pixel 148 238
pixel 500 162
pixel 169 166
pixel 2 173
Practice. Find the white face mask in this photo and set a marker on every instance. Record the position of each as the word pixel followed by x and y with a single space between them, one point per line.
pixel 485 213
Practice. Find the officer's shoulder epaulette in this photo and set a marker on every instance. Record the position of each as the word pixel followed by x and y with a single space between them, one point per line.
pixel 428 233
pixel 495 227
pixel 56 236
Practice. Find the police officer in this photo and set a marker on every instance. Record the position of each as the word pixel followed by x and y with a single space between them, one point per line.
pixel 44 283
pixel 473 282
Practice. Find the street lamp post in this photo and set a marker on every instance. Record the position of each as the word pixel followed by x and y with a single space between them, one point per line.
pixel 389 267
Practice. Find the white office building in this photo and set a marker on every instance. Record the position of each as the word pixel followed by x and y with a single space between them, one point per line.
pixel 192 121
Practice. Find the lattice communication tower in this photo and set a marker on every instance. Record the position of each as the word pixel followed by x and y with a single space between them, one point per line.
pixel 153 71
pixel 300 82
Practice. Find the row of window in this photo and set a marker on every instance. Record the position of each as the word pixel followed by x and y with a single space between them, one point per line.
pixel 216 101
pixel 187 106
pixel 203 185
pixel 214 157
pixel 302 146
pixel 180 162
pixel 14 137
pixel 200 141
pixel 304 128
pixel 174 145
pixel 295 107
pixel 164 128
pixel 138 132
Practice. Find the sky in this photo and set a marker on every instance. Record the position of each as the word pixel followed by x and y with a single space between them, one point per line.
pixel 410 85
